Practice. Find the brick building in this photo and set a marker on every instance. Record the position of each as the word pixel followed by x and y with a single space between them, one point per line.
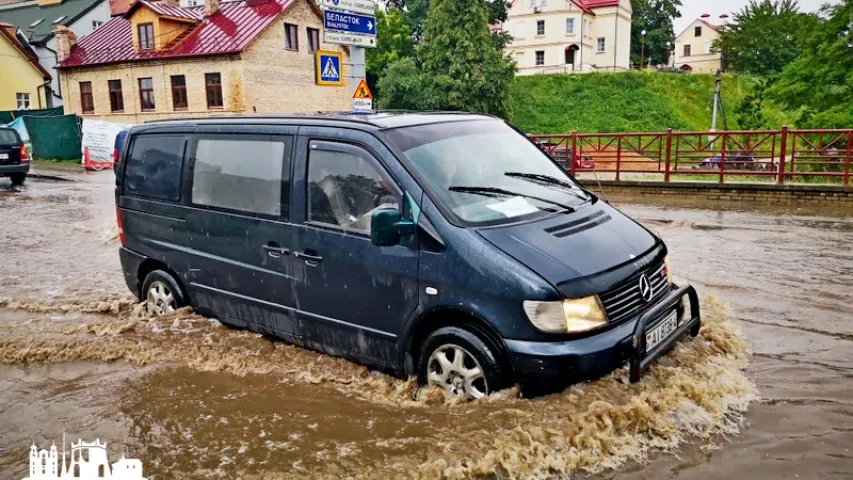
pixel 159 60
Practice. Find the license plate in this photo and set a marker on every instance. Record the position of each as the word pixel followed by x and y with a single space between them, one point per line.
pixel 663 330
pixel 4 156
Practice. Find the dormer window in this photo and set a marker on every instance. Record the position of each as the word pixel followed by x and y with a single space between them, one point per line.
pixel 146 36
pixel 34 24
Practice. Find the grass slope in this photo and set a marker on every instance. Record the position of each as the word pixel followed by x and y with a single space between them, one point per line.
pixel 626 102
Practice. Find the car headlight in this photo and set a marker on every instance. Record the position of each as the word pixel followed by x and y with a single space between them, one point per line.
pixel 667 269
pixel 567 316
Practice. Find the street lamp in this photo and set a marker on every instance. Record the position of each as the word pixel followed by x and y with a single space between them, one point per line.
pixel 642 47
pixel 668 44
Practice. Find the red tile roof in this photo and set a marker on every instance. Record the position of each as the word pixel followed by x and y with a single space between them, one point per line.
pixel 229 30
pixel 161 8
pixel 588 5
pixel 119 7
pixel 709 24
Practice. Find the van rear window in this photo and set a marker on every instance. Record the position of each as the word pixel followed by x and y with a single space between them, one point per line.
pixel 8 137
pixel 154 166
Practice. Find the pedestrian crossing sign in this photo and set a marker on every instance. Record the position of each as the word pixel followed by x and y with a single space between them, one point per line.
pixel 327 66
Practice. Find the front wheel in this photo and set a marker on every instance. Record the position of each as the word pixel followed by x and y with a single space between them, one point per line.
pixel 17 178
pixel 162 293
pixel 461 363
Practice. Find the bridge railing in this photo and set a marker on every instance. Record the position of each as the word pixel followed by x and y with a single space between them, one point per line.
pixel 780 156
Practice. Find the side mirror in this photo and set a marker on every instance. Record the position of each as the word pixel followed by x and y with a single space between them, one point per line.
pixel 387 226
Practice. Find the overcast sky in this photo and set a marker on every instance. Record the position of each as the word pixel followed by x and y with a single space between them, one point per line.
pixel 693 9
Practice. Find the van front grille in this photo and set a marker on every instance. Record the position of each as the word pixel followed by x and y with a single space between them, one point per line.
pixel 625 301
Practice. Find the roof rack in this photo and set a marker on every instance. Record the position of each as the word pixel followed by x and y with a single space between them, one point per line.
pixel 347 115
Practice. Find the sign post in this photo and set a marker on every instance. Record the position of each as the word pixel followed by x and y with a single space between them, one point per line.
pixel 351 22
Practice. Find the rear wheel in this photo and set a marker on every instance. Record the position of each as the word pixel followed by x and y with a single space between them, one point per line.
pixel 162 293
pixel 17 178
pixel 461 363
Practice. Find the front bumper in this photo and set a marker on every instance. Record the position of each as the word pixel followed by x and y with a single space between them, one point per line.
pixel 551 366
pixel 20 168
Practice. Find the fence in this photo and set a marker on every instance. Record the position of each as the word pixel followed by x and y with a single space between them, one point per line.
pixel 780 156
pixel 54 137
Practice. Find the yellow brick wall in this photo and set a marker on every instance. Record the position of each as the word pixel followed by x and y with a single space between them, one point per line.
pixel 265 78
pixel 282 81
pixel 193 69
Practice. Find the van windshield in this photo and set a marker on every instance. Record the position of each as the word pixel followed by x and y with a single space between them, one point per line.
pixel 485 172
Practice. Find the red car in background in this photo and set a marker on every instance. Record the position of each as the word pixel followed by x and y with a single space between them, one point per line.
pixel 561 154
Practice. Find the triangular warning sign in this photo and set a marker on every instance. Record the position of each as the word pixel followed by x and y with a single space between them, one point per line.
pixel 362 91
pixel 329 71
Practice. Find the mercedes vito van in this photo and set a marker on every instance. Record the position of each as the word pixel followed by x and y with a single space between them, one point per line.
pixel 443 245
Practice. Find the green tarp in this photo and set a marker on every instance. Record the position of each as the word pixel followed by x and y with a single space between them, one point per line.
pixel 7 116
pixel 54 137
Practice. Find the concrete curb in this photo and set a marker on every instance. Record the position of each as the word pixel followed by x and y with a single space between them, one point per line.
pixel 56 178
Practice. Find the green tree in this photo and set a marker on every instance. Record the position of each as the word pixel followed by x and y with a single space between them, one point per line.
pixel 459 65
pixel 393 42
pixel 749 110
pixel 418 10
pixel 820 82
pixel 764 36
pixel 655 17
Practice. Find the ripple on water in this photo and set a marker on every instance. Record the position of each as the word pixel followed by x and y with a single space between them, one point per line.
pixel 695 393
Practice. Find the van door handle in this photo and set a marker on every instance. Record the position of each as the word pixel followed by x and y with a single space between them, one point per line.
pixel 275 250
pixel 310 256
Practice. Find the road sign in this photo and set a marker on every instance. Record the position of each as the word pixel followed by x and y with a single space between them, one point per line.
pixel 328 68
pixel 367 7
pixel 349 23
pixel 362 99
pixel 349 39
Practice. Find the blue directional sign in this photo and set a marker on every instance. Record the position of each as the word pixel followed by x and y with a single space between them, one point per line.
pixel 349 22
pixel 327 67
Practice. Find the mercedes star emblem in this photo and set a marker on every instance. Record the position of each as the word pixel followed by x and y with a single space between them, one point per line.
pixel 645 288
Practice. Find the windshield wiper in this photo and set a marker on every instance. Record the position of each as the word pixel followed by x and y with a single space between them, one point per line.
pixel 500 192
pixel 547 179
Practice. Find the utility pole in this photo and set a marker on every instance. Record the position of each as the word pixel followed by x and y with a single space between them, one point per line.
pixel 717 84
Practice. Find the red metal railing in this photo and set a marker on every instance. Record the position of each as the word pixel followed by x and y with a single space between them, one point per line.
pixel 781 156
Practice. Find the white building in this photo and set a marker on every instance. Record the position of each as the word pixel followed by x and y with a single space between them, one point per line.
pixel 88 462
pixel 694 47
pixel 562 36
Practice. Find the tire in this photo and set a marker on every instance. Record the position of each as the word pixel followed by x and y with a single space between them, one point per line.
pixel 17 178
pixel 162 293
pixel 449 342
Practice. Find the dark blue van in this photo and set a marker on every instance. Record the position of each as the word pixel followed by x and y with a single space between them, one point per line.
pixel 442 245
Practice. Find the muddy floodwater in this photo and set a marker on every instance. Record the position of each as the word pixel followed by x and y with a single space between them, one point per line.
pixel 765 391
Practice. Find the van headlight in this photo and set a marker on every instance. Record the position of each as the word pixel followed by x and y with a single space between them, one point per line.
pixel 567 316
pixel 667 269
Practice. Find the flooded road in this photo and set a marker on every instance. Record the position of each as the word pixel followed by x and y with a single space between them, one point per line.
pixel 194 399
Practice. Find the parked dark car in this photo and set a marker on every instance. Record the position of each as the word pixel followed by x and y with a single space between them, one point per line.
pixel 14 158
pixel 734 161
pixel 442 245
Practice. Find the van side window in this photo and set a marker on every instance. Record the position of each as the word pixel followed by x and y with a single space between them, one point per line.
pixel 154 166
pixel 344 189
pixel 247 173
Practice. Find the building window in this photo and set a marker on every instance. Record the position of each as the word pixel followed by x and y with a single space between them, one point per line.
pixel 540 58
pixel 600 44
pixel 709 47
pixel 87 101
pixel 291 36
pixel 116 97
pixel 146 94
pixel 540 27
pixel 570 26
pixel 179 92
pixel 213 84
pixel 96 24
pixel 520 30
pixel 146 36
pixel 313 39
pixel 697 31
pixel 687 50
pixel 23 101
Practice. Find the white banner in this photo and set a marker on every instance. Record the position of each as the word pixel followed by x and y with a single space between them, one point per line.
pixel 99 137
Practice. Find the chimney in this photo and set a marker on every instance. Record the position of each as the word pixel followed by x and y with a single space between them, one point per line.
pixel 65 41
pixel 210 7
pixel 706 16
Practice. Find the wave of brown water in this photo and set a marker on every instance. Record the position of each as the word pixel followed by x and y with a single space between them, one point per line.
pixel 696 393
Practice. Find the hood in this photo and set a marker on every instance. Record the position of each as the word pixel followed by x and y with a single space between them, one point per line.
pixel 562 248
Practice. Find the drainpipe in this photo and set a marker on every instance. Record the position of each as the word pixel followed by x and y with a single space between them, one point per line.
pixel 582 23
pixel 615 36
pixel 56 58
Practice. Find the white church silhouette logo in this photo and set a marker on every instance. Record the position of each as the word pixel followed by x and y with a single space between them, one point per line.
pixel 88 462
